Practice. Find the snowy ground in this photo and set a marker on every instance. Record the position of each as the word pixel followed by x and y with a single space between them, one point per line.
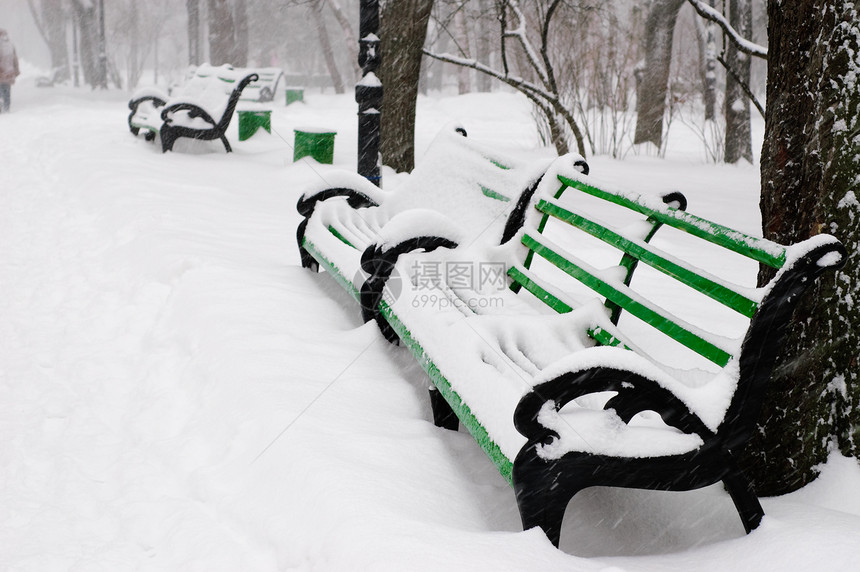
pixel 176 393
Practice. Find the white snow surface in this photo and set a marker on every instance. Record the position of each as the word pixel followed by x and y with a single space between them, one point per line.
pixel 176 393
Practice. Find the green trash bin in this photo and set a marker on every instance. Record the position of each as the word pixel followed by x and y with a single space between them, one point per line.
pixel 316 143
pixel 295 94
pixel 250 120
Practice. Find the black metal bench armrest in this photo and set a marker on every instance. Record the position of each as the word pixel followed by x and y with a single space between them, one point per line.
pixel 192 109
pixel 378 262
pixel 134 103
pixel 356 199
pixel 157 101
pixel 308 202
pixel 635 394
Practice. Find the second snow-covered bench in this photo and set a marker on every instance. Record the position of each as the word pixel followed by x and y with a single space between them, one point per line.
pixel 567 373
pixel 202 109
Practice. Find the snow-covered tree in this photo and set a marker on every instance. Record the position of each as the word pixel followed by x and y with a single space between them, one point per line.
pixel 810 184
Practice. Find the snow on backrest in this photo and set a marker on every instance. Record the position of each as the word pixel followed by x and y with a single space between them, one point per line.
pixel 209 88
pixel 470 185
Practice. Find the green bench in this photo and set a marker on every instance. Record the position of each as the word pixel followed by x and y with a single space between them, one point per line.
pixel 567 372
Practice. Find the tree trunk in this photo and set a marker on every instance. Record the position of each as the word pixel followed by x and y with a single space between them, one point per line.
pixel 483 82
pixel 348 34
pixel 193 9
pixel 706 34
pixel 403 31
pixel 220 32
pixel 652 79
pixel 737 105
pixel 134 65
pixel 810 185
pixel 464 83
pixel 88 25
pixel 240 48
pixel 55 28
pixel 325 45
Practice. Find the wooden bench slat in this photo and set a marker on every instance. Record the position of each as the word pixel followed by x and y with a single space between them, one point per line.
pixel 488 192
pixel 650 256
pixel 528 281
pixel 339 236
pixel 631 302
pixel 463 411
pixel 758 249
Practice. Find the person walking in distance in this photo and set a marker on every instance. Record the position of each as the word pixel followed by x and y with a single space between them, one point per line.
pixel 8 70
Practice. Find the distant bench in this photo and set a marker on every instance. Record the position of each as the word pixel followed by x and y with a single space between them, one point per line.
pixel 201 110
pixel 564 372
pixel 264 88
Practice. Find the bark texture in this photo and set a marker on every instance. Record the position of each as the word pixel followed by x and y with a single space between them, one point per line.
pixel 810 183
pixel 403 29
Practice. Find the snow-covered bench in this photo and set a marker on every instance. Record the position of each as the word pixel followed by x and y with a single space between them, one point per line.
pixel 263 89
pixel 566 373
pixel 201 110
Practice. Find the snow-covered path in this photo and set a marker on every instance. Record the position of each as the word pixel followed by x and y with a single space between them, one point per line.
pixel 176 393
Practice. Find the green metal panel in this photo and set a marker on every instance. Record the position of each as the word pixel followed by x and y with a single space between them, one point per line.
pixel 708 287
pixel 642 311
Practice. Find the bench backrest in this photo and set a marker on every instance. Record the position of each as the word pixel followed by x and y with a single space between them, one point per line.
pixel 765 311
pixel 209 88
pixel 264 88
pixel 215 90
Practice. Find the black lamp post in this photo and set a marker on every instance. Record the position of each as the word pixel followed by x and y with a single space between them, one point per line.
pixel 368 93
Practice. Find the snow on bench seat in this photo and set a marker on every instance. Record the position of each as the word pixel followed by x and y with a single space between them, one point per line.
pixel 568 374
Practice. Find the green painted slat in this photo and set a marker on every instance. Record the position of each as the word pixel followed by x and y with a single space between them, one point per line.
pixel 504 465
pixel 540 228
pixel 758 249
pixel 604 338
pixel 714 290
pixel 331 268
pixel 645 313
pixel 599 335
pixel 493 194
pixel 539 292
pixel 339 236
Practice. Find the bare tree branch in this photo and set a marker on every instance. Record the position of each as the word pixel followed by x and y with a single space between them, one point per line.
pixel 740 42
pixel 548 102
pixel 742 84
